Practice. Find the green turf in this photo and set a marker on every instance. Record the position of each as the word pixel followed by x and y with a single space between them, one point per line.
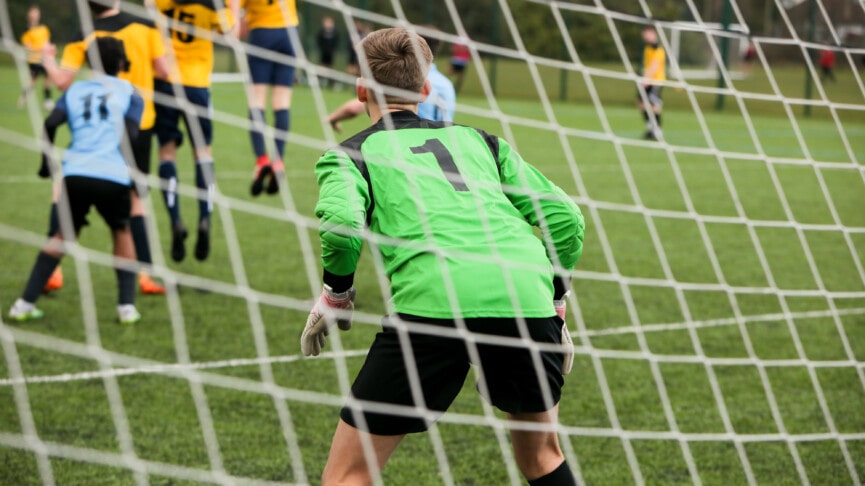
pixel 638 198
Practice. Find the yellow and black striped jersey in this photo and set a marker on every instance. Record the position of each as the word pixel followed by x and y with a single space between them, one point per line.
pixel 191 25
pixel 143 45
pixel 34 39
pixel 655 62
pixel 270 14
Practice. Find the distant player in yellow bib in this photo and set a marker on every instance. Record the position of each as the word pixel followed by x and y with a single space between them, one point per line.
pixel 191 25
pixel 272 26
pixel 146 53
pixel 654 74
pixel 36 37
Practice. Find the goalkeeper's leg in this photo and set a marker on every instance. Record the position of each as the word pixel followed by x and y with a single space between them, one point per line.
pixel 537 452
pixel 349 462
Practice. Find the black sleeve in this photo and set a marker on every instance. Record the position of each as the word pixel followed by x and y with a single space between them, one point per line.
pixel 54 120
pixel 131 129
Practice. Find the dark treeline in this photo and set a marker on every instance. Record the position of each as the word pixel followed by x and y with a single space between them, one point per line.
pixel 483 20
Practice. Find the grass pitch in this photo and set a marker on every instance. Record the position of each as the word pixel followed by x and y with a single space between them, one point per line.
pixel 674 369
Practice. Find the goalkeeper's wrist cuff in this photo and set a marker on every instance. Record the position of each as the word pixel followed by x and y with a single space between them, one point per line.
pixel 338 283
pixel 560 287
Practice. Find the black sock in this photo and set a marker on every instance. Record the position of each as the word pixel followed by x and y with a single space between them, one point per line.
pixel 560 476
pixel 139 237
pixel 658 120
pixel 645 115
pixel 168 172
pixel 42 270
pixel 53 221
pixel 205 181
pixel 47 93
pixel 282 123
pixel 125 286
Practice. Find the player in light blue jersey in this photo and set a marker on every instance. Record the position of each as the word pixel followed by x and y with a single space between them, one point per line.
pixel 99 113
pixel 442 100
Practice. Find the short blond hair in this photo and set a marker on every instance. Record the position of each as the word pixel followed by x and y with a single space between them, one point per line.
pixel 397 58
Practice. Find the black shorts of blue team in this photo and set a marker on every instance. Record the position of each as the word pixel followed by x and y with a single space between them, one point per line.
pixel 272 70
pixel 168 115
pixel 511 378
pixel 112 201
pixel 651 93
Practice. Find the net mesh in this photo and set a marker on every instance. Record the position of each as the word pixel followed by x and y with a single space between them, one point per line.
pixel 717 311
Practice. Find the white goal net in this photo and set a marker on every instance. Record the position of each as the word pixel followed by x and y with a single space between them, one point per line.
pixel 718 310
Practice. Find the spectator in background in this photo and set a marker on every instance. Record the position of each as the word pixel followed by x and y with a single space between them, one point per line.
pixel 749 57
pixel 827 65
pixel 327 39
pixel 460 57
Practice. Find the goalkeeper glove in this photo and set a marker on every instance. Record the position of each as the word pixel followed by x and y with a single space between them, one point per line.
pixel 567 343
pixel 323 315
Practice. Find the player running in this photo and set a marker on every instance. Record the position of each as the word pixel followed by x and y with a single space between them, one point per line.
pixel 147 60
pixel 191 23
pixel 654 74
pixel 453 210
pixel 36 37
pixel 273 27
pixel 95 173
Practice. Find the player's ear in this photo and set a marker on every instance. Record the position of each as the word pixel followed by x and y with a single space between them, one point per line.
pixel 362 93
pixel 425 90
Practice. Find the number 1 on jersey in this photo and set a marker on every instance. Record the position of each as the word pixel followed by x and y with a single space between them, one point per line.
pixel 445 160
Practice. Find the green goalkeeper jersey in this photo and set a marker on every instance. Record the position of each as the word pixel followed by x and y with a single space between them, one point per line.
pixel 451 211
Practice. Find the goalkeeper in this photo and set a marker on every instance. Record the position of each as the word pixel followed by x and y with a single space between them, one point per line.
pixel 453 210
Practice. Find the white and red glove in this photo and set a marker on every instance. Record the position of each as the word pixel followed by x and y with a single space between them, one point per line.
pixel 567 343
pixel 330 308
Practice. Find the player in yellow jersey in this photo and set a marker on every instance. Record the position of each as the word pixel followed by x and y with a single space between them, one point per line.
pixel 654 74
pixel 272 26
pixel 146 53
pixel 190 27
pixel 34 40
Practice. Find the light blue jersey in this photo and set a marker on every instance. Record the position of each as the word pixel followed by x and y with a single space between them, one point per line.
pixel 95 111
pixel 442 100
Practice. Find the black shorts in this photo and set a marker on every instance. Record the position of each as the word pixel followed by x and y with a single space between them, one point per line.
pixel 111 199
pixel 511 378
pixel 458 67
pixel 652 94
pixel 167 127
pixel 36 70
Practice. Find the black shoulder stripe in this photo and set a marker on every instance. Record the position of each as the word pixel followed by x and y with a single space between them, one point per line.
pixel 351 147
pixel 493 144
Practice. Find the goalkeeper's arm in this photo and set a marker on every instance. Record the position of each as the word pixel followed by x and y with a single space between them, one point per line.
pixel 546 206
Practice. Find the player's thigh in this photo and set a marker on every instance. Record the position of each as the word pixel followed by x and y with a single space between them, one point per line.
pixel 167 124
pixel 283 73
pixel 440 366
pixel 517 378
pixel 198 123
pixel 112 201
pixel 77 191
pixel 654 96
pixel 261 66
